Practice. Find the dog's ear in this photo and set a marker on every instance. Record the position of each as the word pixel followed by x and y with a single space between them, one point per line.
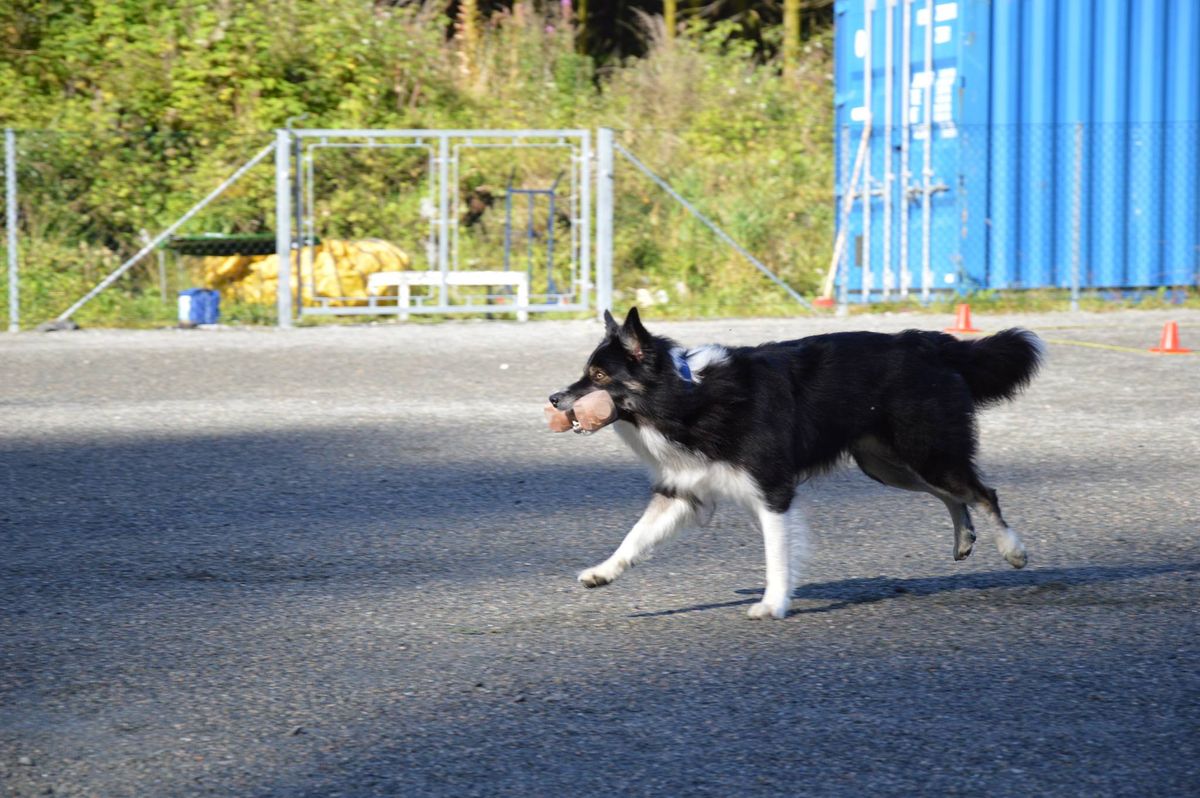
pixel 610 325
pixel 634 337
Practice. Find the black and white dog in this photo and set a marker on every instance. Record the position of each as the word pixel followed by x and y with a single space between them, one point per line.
pixel 752 423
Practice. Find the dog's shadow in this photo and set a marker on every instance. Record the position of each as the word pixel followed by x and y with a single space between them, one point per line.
pixel 850 592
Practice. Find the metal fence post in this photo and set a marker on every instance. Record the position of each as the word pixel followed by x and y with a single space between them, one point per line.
pixel 298 217
pixel 10 212
pixel 604 220
pixel 585 214
pixel 1076 215
pixel 443 250
pixel 297 205
pixel 283 228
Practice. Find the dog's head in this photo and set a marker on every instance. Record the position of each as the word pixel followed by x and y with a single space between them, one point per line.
pixel 624 364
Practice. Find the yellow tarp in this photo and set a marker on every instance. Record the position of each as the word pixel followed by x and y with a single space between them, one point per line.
pixel 334 268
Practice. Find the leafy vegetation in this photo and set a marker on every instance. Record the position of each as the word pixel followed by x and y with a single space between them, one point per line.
pixel 131 110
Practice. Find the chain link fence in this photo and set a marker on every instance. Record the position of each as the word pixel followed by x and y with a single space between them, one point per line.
pixel 770 190
pixel 1108 207
pixel 86 202
pixel 1009 208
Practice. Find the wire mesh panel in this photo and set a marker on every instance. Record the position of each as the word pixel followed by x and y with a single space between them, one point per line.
pixel 470 212
pixel 534 212
pixel 88 203
pixel 680 245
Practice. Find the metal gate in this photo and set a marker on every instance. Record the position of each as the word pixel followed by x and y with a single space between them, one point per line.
pixel 539 265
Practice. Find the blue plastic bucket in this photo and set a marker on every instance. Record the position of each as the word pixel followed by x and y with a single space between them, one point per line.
pixel 199 306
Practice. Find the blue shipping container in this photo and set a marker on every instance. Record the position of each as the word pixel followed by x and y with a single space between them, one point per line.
pixel 1013 141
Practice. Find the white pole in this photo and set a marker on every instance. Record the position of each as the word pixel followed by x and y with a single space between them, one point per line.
pixel 905 140
pixel 868 67
pixel 927 170
pixel 889 90
pixel 443 250
pixel 283 228
pixel 10 212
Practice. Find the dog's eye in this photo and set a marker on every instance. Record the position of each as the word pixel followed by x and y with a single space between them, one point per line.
pixel 598 375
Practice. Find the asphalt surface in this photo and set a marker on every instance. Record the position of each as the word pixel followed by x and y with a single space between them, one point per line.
pixel 340 561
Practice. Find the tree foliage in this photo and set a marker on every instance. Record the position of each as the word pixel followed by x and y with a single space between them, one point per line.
pixel 130 110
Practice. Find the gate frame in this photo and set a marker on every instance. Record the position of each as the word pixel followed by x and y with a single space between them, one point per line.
pixel 286 239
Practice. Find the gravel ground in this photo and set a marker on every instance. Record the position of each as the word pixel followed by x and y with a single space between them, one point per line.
pixel 340 561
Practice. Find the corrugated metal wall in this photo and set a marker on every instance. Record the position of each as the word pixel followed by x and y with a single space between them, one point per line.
pixel 1059 132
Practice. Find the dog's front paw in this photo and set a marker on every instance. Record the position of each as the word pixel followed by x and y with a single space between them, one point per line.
pixel 761 610
pixel 596 577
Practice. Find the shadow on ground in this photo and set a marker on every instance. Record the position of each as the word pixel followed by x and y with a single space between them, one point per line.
pixel 1046 583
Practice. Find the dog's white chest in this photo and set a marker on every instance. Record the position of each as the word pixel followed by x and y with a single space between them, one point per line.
pixel 683 470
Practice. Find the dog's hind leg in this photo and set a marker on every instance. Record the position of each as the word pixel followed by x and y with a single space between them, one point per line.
pixel 1007 541
pixel 964 530
pixel 964 485
pixel 664 516
pixel 882 464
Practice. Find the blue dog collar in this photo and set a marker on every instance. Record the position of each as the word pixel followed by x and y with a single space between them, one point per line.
pixel 679 358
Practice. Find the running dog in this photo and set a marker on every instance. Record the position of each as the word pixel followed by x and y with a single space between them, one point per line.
pixel 752 423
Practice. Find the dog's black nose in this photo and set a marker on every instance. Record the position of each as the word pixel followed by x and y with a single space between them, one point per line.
pixel 555 398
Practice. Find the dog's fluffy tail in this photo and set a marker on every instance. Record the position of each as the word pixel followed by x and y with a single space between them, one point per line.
pixel 999 366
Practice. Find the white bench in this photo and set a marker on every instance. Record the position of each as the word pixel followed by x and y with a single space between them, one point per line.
pixel 404 281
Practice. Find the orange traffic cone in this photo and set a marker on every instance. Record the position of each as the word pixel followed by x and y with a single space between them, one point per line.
pixel 962 321
pixel 1169 344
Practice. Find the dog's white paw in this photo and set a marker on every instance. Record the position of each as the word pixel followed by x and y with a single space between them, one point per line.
pixel 761 610
pixel 597 577
pixel 1011 548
